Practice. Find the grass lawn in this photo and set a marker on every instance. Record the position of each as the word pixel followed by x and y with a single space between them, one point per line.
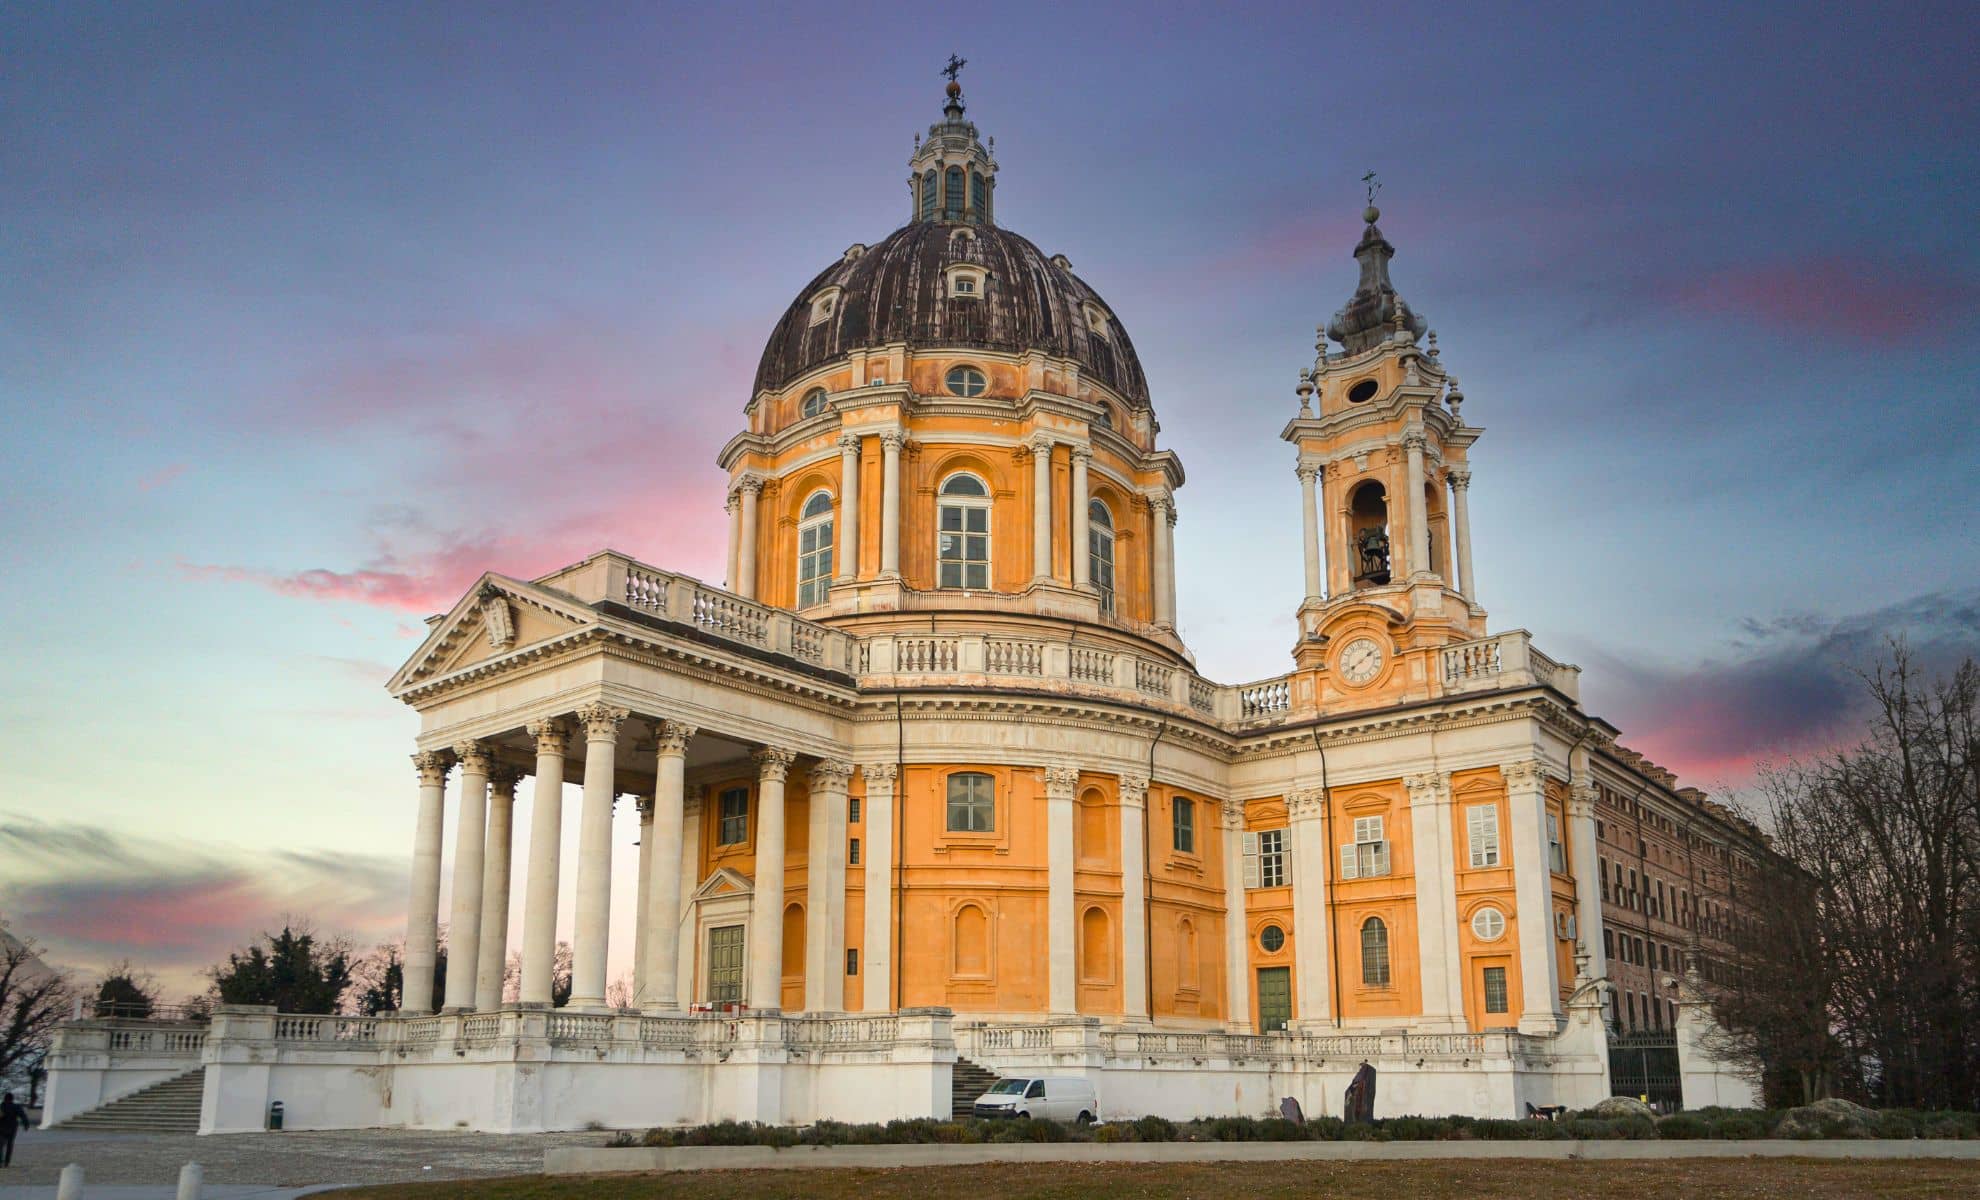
pixel 1468 1180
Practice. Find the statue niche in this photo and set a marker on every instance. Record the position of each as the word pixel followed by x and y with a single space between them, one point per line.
pixel 1368 534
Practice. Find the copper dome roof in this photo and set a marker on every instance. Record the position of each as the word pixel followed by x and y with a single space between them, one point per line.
pixel 896 291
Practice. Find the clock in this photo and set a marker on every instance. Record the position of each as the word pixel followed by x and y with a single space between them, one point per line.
pixel 1360 661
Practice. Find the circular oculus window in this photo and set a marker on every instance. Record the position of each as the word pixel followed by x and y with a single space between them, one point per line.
pixel 1488 924
pixel 965 381
pixel 1272 939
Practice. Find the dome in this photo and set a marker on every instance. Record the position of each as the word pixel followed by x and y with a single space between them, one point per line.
pixel 899 291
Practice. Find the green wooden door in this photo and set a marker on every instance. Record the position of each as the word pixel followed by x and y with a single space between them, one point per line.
pixel 725 964
pixel 1274 998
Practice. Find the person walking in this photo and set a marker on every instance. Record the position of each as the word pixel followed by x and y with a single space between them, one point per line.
pixel 13 1119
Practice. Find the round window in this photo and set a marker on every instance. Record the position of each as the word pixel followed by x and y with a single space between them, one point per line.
pixel 1272 938
pixel 966 381
pixel 1363 392
pixel 1488 923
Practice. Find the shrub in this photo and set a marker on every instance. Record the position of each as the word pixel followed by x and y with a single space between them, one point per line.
pixel 1950 1125
pixel 1419 1129
pixel 1686 1126
pixel 1154 1129
pixel 1277 1129
pixel 1901 1123
pixel 1324 1129
pixel 1589 1129
pixel 1740 1127
pixel 619 1140
pixel 1109 1134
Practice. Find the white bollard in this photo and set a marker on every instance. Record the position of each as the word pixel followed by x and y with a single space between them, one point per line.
pixel 70 1188
pixel 190 1177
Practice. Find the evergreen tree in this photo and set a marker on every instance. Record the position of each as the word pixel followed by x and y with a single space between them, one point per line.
pixel 291 970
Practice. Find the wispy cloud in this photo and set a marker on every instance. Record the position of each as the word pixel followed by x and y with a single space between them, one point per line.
pixel 1845 297
pixel 163 476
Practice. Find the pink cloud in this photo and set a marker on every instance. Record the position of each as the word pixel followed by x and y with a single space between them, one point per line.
pixel 162 476
pixel 1846 297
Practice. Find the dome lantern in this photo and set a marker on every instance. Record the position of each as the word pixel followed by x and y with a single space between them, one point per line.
pixel 953 177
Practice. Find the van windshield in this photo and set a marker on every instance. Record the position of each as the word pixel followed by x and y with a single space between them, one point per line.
pixel 1007 1087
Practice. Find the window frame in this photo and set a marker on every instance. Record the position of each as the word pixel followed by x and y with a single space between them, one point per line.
pixel 813 588
pixel 1376 971
pixel 1497 914
pixel 1264 867
pixel 1485 981
pixel 964 504
pixel 723 816
pixel 1491 854
pixel 1182 824
pixel 986 805
pixel 1556 849
pixel 978 379
pixel 1100 532
pixel 813 404
pixel 1367 857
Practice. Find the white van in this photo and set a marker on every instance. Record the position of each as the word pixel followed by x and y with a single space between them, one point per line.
pixel 1049 1097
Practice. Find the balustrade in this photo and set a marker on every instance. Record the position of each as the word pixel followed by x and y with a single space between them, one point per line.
pixel 1152 678
pixel 580 1027
pixel 1468 661
pixel 1265 699
pixel 1092 666
pixel 645 589
pixel 326 1029
pixel 1004 657
pixel 925 655
pixel 1202 696
pixel 731 616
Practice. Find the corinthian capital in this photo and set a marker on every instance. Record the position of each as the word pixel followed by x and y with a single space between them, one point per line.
pixel 882 774
pixel 1040 446
pixel 552 736
pixel 1430 787
pixel 751 484
pixel 502 779
pixel 1414 440
pixel 893 440
pixel 1307 472
pixel 1233 814
pixel 773 763
pixel 1524 775
pixel 1305 804
pixel 1581 801
pixel 831 775
pixel 1134 791
pixel 474 757
pixel 1082 453
pixel 1460 480
pixel 601 721
pixel 432 766
pixel 1060 781
pixel 849 443
pixel 672 737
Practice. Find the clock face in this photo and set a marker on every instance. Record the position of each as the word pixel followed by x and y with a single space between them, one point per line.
pixel 1361 661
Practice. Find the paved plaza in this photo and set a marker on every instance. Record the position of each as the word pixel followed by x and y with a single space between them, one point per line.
pixel 271 1160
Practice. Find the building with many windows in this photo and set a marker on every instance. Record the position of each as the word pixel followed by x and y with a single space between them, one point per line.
pixel 931 776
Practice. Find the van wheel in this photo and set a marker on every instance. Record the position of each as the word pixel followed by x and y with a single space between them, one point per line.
pixel 1024 1116
pixel 1085 1119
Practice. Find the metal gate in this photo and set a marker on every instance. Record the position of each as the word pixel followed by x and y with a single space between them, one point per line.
pixel 1645 1064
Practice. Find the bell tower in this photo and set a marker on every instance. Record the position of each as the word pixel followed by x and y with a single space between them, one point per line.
pixel 1383 470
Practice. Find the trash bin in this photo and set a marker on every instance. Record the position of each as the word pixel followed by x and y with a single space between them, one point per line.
pixel 275 1115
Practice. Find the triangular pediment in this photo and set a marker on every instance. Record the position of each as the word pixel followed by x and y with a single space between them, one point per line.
pixel 497 617
pixel 724 882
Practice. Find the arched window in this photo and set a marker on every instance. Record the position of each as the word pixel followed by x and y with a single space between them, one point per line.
pixel 977 192
pixel 1100 552
pixel 928 194
pixel 972 803
pixel 952 193
pixel 813 404
pixel 965 381
pixel 962 538
pixel 814 549
pixel 1374 953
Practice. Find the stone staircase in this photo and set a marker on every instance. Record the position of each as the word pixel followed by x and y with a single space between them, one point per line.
pixel 171 1106
pixel 970 1080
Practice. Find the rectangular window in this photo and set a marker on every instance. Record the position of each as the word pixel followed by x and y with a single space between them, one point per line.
pixel 963 546
pixel 1602 873
pixel 852 960
pixel 1556 853
pixel 1182 817
pixel 852 810
pixel 1631 998
pixel 1368 854
pixel 852 853
pixel 972 803
pixel 1265 859
pixel 814 561
pixel 733 829
pixel 1495 989
pixel 1481 826
pixel 1608 943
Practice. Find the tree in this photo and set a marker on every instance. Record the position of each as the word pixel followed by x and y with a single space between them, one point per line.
pixel 291 970
pixel 560 977
pixel 126 993
pixel 34 999
pixel 1867 968
pixel 378 980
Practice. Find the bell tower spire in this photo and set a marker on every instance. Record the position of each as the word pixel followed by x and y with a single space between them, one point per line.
pixel 1383 466
pixel 953 175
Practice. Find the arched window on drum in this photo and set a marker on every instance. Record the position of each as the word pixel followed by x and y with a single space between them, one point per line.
pixel 1100 552
pixel 962 538
pixel 814 550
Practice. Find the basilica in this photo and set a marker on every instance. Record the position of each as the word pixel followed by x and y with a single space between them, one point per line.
pixel 928 788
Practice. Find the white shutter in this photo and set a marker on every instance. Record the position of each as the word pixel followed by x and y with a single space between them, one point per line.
pixel 1251 860
pixel 1348 863
pixel 1381 865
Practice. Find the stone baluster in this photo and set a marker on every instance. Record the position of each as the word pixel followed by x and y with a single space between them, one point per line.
pixel 546 829
pixel 423 909
pixel 594 865
pixel 766 910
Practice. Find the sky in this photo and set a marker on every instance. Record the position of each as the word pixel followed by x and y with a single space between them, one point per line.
pixel 310 313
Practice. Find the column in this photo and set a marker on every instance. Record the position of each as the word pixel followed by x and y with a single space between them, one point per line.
pixel 878 967
pixel 1062 995
pixel 1526 796
pixel 690 873
pixel 1237 925
pixel 490 963
pixel 1309 517
pixel 423 909
pixel 1461 513
pixel 733 506
pixel 1081 568
pixel 746 567
pixel 1313 1000
pixel 470 844
pixel 645 878
pixel 847 561
pixel 660 960
pixel 1436 885
pixel 546 831
pixel 594 864
pixel 825 890
pixel 1134 898
pixel 890 503
pixel 1417 562
pixel 1587 878
pixel 766 908
pixel 1162 515
pixel 1041 508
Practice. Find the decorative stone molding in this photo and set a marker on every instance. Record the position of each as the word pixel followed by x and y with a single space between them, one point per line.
pixel 773 763
pixel 882 772
pixel 831 775
pixel 1414 440
pixel 1040 446
pixel 1528 774
pixel 1431 787
pixel 1305 804
pixel 497 620
pixel 1060 782
pixel 552 736
pixel 849 442
pixel 1134 791
pixel 502 781
pixel 671 737
pixel 1233 814
pixel 1306 472
pixel 1459 480
pixel 601 721
pixel 893 440
pixel 474 757
pixel 753 484
pixel 432 766
pixel 1582 800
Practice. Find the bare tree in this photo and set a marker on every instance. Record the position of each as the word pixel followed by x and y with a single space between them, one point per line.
pixel 34 998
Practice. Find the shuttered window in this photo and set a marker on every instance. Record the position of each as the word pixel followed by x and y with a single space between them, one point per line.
pixel 1481 827
pixel 1265 859
pixel 1368 854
